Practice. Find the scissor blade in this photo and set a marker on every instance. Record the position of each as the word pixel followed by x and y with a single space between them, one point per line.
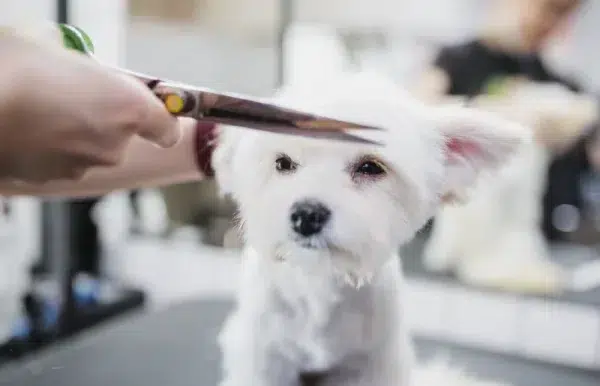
pixel 218 105
pixel 289 130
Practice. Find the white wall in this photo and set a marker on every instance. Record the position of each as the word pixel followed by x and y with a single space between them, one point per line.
pixel 26 11
pixel 106 22
pixel 443 19
pixel 251 15
pixel 583 56
pixel 197 55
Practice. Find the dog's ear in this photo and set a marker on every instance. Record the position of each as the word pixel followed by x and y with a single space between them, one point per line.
pixel 475 142
pixel 222 158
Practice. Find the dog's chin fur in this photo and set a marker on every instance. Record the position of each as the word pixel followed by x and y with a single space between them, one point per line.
pixel 319 258
pixel 299 309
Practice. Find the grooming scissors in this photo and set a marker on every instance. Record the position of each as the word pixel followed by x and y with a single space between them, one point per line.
pixel 208 105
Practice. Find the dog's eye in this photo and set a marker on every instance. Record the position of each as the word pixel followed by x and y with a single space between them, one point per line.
pixel 370 167
pixel 283 164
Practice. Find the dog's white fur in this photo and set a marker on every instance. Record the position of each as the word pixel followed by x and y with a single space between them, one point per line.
pixel 495 239
pixel 333 302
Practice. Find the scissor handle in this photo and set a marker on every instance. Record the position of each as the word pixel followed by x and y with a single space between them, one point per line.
pixel 177 102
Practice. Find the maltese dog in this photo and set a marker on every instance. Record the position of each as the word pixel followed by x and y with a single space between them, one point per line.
pixel 320 298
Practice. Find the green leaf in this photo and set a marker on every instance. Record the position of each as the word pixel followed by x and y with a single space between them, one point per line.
pixel 76 39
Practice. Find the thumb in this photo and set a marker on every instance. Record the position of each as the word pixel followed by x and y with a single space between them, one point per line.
pixel 157 124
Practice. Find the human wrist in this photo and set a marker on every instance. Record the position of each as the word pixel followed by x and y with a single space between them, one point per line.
pixel 205 142
pixel 10 57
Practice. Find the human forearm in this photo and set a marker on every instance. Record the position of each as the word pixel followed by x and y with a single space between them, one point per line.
pixel 145 165
pixel 10 72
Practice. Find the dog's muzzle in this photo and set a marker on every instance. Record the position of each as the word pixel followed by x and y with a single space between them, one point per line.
pixel 309 217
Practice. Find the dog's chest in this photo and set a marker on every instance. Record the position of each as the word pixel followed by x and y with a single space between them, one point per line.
pixel 319 327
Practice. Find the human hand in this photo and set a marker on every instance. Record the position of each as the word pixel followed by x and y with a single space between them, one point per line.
pixel 556 115
pixel 62 113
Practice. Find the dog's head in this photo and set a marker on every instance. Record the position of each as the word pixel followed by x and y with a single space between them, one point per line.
pixel 348 207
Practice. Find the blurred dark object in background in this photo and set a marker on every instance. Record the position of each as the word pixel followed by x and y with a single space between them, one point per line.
pixel 200 205
pixel 572 201
pixel 136 227
pixel 85 237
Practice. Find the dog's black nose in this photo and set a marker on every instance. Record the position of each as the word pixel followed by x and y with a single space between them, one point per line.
pixel 309 217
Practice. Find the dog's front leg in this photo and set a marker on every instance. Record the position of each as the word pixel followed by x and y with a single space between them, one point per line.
pixel 260 372
pixel 388 366
pixel 250 357
pixel 372 374
pixel 389 371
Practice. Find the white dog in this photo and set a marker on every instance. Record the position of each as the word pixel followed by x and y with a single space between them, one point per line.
pixel 495 240
pixel 320 298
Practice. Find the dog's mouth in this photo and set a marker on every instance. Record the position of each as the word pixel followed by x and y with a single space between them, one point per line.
pixel 317 247
pixel 322 255
pixel 318 244
pixel 314 243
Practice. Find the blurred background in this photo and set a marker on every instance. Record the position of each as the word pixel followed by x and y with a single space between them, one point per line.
pixel 159 265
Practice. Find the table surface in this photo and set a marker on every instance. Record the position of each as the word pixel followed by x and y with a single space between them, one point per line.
pixel 564 254
pixel 177 347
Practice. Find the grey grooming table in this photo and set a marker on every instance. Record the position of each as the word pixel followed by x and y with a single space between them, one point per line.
pixel 176 347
